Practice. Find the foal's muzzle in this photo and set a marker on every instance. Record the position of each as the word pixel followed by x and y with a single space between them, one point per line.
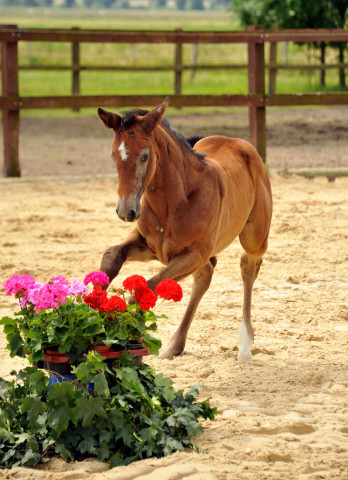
pixel 131 216
pixel 128 209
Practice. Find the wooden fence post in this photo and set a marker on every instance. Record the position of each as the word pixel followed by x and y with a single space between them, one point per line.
pixel 178 66
pixel 322 63
pixel 272 70
pixel 257 115
pixel 75 60
pixel 10 117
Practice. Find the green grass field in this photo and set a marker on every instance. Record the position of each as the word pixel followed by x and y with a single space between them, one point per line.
pixel 204 82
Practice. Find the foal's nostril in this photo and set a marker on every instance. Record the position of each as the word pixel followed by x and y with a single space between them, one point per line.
pixel 131 216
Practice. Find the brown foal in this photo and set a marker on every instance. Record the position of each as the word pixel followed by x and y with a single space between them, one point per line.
pixel 189 206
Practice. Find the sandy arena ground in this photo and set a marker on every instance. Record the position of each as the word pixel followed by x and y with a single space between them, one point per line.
pixel 282 417
pixel 296 138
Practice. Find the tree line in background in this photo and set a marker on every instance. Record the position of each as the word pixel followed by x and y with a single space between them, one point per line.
pixel 298 14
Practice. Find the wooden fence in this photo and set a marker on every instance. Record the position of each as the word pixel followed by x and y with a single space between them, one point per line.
pixel 178 67
pixel 11 102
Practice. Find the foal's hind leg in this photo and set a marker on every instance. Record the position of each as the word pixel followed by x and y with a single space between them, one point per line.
pixel 201 283
pixel 249 268
pixel 254 239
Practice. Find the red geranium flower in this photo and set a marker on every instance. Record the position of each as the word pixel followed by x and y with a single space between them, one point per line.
pixel 114 303
pixel 169 289
pixel 134 282
pixel 96 298
pixel 146 298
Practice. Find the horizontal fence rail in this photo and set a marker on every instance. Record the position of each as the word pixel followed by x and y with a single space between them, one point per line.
pixel 11 102
pixel 156 68
pixel 120 101
pixel 175 36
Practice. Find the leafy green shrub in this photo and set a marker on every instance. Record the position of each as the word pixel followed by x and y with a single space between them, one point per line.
pixel 117 412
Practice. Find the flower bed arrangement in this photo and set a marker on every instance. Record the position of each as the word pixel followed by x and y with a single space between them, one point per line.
pixel 116 409
pixel 70 318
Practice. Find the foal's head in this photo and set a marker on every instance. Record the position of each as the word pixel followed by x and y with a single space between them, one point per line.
pixel 135 159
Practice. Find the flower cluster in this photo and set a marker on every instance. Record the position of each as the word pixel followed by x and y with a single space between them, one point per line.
pixel 143 295
pixel 18 283
pixel 70 316
pixel 42 296
pixel 97 278
pixel 169 289
pixel 98 299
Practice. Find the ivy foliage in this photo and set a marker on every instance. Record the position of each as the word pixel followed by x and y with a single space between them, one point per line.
pixel 116 412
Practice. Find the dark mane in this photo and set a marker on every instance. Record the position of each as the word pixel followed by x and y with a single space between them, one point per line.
pixel 129 119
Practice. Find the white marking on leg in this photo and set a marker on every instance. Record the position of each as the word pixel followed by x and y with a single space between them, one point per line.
pixel 245 342
pixel 123 149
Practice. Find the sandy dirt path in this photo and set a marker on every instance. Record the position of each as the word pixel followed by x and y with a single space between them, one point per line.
pixel 282 417
pixel 296 138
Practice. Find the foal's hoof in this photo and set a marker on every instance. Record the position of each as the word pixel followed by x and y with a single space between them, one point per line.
pixel 244 356
pixel 169 354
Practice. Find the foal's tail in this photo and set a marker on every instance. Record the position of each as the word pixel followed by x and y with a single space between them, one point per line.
pixel 193 140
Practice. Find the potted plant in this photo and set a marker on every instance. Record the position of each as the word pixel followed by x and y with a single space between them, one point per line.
pixel 112 409
pixel 60 321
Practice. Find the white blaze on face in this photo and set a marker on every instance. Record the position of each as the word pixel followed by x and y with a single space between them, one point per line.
pixel 123 149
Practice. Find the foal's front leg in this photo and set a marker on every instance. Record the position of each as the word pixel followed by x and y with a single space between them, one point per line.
pixel 201 282
pixel 187 263
pixel 134 248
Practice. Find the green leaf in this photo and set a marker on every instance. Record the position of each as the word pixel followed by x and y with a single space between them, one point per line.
pixel 88 445
pixel 58 418
pixel 4 387
pixel 6 435
pixel 122 332
pixel 30 458
pixel 17 346
pixel 21 438
pixel 153 344
pixel 82 372
pixel 61 393
pixel 89 408
pixel 117 460
pixel 8 321
pixel 173 445
pixel 100 385
pixel 33 407
pixel 35 341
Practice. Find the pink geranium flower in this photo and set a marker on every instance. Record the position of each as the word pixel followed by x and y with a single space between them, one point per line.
pixel 97 278
pixel 18 284
pixel 78 288
pixel 50 295
pixel 60 279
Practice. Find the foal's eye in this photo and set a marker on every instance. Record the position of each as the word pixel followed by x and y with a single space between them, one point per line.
pixel 145 157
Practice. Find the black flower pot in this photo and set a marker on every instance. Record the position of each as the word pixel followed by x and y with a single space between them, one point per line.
pixel 57 362
pixel 134 346
pixel 115 347
pixel 39 364
pixel 60 368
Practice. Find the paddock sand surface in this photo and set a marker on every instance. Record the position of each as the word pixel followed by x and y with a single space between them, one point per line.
pixel 282 417
pixel 296 138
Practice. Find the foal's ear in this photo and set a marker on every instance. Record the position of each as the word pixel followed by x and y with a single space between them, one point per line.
pixel 153 118
pixel 110 120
